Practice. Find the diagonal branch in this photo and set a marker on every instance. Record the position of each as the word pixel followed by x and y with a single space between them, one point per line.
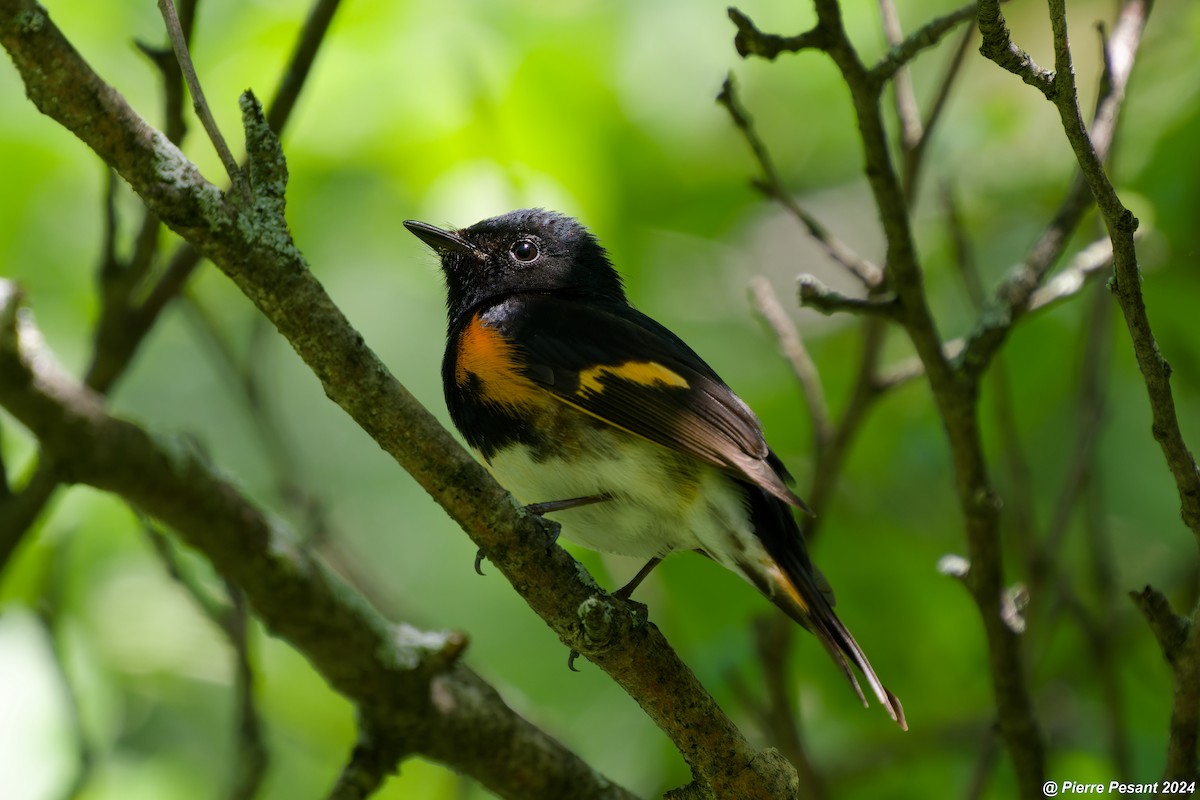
pixel 124 323
pixel 253 247
pixel 771 185
pixel 408 684
pixel 1013 296
pixel 1156 372
pixel 179 44
pixel 998 46
pixel 957 404
pixel 923 38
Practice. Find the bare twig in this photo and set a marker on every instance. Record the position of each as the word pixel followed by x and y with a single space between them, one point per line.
pixel 231 617
pixel 814 294
pixel 1101 564
pixel 21 507
pixel 1021 504
pixel 50 614
pixel 1012 296
pixel 863 396
pixel 1182 649
pixel 260 257
pixel 752 42
pixel 957 403
pixel 791 346
pixel 916 156
pixel 1121 226
pixel 773 636
pixel 999 47
pixel 250 766
pixel 303 57
pixel 124 324
pixel 771 185
pixel 904 50
pixel 1089 264
pixel 407 684
pixel 180 45
pixel 907 110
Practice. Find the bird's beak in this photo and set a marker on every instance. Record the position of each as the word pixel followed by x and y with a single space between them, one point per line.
pixel 442 241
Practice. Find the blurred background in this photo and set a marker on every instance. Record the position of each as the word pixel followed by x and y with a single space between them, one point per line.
pixel 457 110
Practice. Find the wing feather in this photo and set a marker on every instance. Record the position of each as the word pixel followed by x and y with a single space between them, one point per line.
pixel 620 366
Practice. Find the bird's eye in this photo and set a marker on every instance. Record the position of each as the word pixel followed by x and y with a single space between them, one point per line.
pixel 525 250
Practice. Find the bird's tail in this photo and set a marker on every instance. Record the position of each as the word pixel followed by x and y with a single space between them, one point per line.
pixel 793 584
pixel 819 618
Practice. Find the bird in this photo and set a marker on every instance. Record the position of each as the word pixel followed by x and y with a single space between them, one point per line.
pixel 587 409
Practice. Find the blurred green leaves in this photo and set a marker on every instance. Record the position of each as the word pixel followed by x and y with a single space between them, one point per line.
pixel 453 111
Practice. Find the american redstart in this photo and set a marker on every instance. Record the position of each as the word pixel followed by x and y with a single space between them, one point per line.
pixel 588 409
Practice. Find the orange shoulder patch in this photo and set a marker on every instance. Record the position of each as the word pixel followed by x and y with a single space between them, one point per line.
pixel 484 353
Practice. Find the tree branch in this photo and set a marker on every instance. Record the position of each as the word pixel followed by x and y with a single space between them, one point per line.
pixel 1156 372
pixel 792 348
pixel 771 185
pixel 124 322
pixel 199 104
pixel 923 38
pixel 407 684
pixel 811 293
pixel 956 400
pixel 750 41
pixel 254 248
pixel 998 46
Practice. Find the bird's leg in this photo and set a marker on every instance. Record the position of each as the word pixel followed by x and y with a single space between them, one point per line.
pixel 622 593
pixel 628 588
pixel 539 510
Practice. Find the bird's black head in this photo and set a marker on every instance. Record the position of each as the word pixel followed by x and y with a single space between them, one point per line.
pixel 525 251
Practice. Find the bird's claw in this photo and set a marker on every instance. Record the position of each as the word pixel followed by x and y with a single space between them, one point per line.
pixel 552 530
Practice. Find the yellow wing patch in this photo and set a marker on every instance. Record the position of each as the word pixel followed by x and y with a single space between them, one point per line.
pixel 647 373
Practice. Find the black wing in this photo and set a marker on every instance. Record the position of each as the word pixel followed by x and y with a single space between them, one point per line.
pixel 622 367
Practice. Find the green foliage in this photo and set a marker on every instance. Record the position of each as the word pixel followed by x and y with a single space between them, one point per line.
pixel 454 111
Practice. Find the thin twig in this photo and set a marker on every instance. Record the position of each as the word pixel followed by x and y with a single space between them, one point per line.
pixel 320 16
pixel 231 617
pixel 119 336
pixel 50 614
pixel 771 185
pixel 864 394
pixel 252 757
pixel 916 156
pixel 814 294
pixel 260 259
pixel 752 42
pixel 923 38
pixel 791 346
pixel 1101 563
pixel 390 671
pixel 957 404
pixel 1089 264
pixel 1021 505
pixel 998 46
pixel 179 44
pixel 905 97
pixel 246 380
pixel 773 636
